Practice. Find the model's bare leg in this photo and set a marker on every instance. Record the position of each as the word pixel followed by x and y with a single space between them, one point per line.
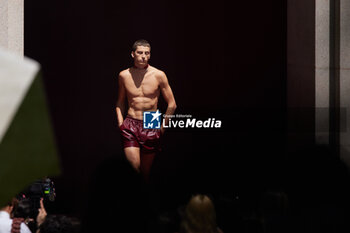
pixel 132 154
pixel 146 164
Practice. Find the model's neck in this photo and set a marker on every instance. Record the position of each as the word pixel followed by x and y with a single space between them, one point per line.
pixel 141 68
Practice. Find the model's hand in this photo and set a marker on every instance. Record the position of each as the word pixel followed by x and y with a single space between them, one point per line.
pixel 42 213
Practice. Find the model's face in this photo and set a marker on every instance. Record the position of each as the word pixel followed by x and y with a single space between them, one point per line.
pixel 141 55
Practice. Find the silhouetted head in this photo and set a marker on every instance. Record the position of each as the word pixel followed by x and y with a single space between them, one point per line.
pixel 200 216
pixel 23 209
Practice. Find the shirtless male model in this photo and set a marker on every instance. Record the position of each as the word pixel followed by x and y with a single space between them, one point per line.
pixel 141 85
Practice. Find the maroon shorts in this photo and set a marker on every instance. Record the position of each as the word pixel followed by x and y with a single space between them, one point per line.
pixel 134 135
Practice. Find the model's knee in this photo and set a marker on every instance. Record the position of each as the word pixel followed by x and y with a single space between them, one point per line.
pixel 134 160
pixel 135 164
pixel 137 167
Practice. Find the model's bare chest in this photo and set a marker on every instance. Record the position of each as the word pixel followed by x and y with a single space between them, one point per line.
pixel 137 85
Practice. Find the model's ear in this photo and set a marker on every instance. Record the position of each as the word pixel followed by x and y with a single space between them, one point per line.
pixel 132 54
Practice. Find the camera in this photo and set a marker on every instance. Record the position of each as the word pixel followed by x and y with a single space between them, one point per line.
pixel 43 188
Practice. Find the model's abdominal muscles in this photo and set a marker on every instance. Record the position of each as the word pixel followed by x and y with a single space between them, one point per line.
pixel 138 105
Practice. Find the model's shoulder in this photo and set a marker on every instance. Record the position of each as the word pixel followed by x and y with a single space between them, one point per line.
pixel 124 73
pixel 159 73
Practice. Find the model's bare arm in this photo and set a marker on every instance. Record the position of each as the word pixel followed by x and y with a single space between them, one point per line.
pixel 120 106
pixel 168 97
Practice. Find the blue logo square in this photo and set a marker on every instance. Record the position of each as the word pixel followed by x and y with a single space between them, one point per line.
pixel 151 120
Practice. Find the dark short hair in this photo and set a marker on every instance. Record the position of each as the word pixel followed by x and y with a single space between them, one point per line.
pixel 23 209
pixel 56 224
pixel 140 42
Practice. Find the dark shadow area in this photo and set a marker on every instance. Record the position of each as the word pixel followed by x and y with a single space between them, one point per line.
pixel 118 200
pixel 311 195
pixel 317 184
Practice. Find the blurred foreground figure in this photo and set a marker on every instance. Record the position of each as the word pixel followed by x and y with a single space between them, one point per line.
pixel 199 216
pixel 9 225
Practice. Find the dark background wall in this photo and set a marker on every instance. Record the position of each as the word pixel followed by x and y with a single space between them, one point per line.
pixel 226 61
